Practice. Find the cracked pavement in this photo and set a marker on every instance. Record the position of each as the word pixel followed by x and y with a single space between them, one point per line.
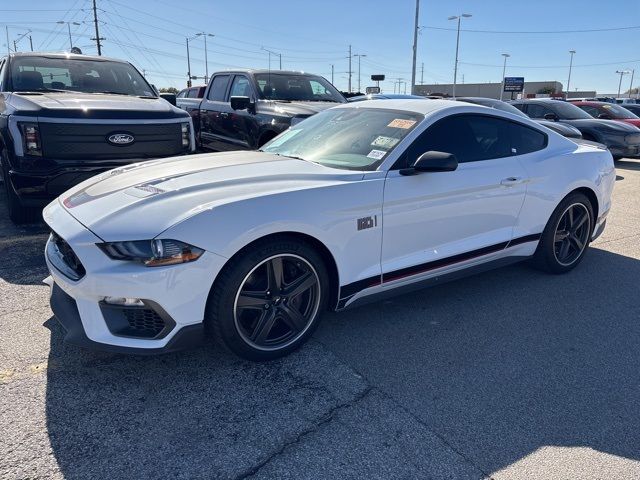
pixel 508 374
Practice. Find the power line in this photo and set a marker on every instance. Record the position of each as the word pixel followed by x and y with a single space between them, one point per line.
pixel 529 32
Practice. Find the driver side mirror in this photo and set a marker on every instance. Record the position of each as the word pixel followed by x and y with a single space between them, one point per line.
pixel 432 161
pixel 551 116
pixel 241 103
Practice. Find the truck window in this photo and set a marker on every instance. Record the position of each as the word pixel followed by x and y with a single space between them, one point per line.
pixel 240 87
pixel 218 88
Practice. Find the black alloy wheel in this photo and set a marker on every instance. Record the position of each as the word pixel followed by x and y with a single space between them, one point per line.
pixel 277 302
pixel 572 234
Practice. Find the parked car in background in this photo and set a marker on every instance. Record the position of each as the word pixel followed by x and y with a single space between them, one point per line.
pixel 383 96
pixel 65 118
pixel 609 111
pixel 561 128
pixel 626 100
pixel 189 98
pixel 621 139
pixel 349 205
pixel 244 109
pixel 632 107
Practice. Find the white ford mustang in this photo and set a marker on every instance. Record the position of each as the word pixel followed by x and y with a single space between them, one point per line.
pixel 355 202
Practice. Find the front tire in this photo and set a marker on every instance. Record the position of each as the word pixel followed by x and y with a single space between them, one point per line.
pixel 18 213
pixel 268 300
pixel 566 236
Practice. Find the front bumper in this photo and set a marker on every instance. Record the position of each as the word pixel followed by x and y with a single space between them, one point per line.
pixel 624 150
pixel 177 293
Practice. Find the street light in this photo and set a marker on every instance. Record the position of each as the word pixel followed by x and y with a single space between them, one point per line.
pixel 622 73
pixel 206 58
pixel 504 69
pixel 359 55
pixel 455 68
pixel 572 52
pixel 17 40
pixel 62 22
pixel 272 53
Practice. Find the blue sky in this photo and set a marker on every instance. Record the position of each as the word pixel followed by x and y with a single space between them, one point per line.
pixel 313 35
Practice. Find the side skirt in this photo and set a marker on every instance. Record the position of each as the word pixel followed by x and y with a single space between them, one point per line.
pixel 430 282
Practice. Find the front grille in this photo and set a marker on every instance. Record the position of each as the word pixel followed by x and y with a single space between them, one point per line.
pixel 144 322
pixel 64 258
pixel 89 141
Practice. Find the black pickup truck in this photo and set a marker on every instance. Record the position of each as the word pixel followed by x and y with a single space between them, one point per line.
pixel 65 118
pixel 244 109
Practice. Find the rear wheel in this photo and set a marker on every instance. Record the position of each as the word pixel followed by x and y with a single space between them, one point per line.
pixel 18 213
pixel 567 235
pixel 267 302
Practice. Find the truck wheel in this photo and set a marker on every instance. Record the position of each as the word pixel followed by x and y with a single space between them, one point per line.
pixel 17 212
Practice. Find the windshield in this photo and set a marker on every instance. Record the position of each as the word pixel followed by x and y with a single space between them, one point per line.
pixel 347 138
pixel 37 74
pixel 568 111
pixel 616 111
pixel 292 87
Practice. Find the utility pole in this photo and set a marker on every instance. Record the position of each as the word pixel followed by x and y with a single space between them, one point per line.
pixel 95 22
pixel 15 47
pixel 188 65
pixel 622 73
pixel 415 48
pixel 633 72
pixel 422 74
pixel 332 74
pixel 31 42
pixel 359 55
pixel 350 68
pixel 273 53
pixel 572 52
pixel 6 27
pixel 504 71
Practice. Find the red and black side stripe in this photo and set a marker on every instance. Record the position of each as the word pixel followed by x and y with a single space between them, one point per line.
pixel 348 291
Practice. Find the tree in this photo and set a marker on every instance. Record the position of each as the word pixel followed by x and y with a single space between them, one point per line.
pixel 547 90
pixel 169 90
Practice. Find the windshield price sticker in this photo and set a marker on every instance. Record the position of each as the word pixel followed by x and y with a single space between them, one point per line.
pixel 376 154
pixel 384 142
pixel 401 123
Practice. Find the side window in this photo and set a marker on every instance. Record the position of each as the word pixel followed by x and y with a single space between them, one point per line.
pixel 240 87
pixel 193 93
pixel 218 88
pixel 593 111
pixel 519 106
pixel 537 111
pixel 526 140
pixel 182 94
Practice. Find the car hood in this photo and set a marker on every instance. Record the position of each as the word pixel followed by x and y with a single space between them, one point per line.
pixel 142 200
pixel 601 124
pixel 631 121
pixel 299 108
pixel 65 103
pixel 561 128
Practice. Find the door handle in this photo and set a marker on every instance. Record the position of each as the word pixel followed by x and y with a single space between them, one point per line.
pixel 510 181
pixel 224 114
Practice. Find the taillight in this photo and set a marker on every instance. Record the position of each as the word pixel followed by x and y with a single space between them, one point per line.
pixel 31 139
pixel 186 135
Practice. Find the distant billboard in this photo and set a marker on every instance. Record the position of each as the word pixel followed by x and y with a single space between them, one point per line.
pixel 377 78
pixel 513 84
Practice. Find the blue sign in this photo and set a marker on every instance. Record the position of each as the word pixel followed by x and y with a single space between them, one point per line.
pixel 513 84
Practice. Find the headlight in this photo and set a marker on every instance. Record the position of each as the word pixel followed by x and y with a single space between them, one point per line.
pixel 186 135
pixel 31 139
pixel 152 253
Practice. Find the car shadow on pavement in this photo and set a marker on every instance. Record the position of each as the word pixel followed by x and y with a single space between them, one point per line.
pixel 505 363
pixel 498 365
pixel 628 164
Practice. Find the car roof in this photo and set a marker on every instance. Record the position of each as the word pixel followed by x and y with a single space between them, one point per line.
pixel 74 56
pixel 416 105
pixel 591 102
pixel 253 71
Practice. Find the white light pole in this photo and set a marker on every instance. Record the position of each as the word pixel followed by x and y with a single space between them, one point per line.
pixel 206 58
pixel 504 70
pixel 62 22
pixel 415 48
pixel 455 68
pixel 622 73
pixel 572 52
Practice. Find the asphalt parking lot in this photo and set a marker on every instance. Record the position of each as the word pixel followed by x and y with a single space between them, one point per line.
pixel 509 374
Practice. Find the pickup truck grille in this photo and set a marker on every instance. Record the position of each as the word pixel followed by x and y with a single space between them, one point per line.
pixel 89 141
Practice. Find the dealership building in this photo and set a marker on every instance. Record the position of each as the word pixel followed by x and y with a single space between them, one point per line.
pixel 492 90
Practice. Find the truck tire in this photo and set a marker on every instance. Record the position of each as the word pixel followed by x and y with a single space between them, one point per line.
pixel 18 213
